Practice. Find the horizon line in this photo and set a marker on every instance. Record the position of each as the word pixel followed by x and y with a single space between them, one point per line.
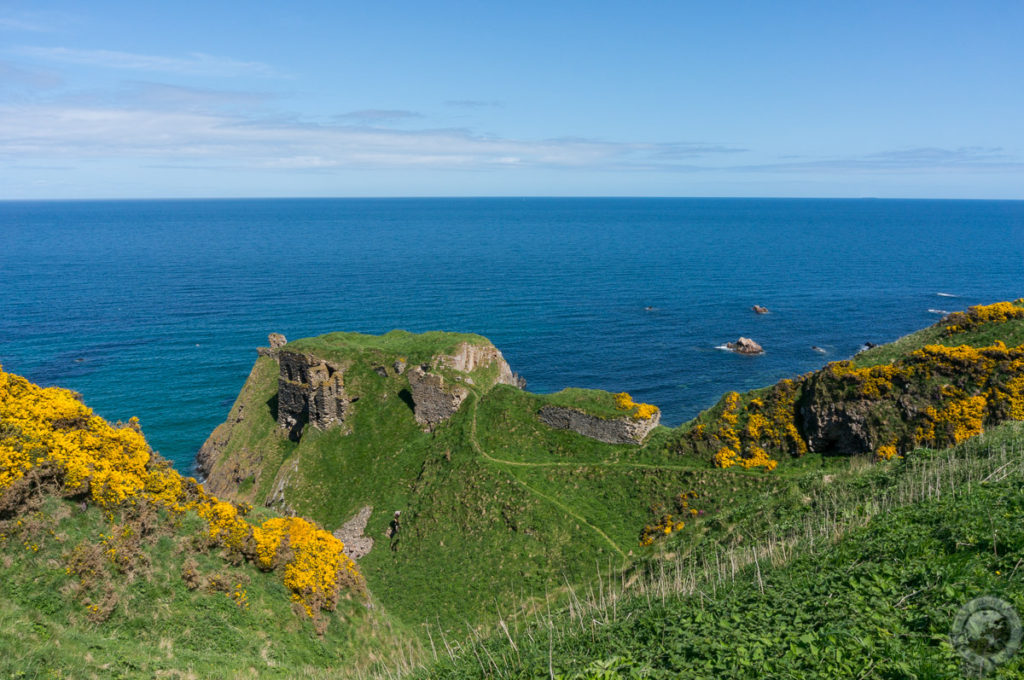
pixel 495 196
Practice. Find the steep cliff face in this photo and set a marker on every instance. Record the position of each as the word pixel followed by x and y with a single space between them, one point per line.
pixel 469 357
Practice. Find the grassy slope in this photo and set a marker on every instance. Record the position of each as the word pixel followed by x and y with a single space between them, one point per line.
pixel 878 603
pixel 475 506
pixel 1010 332
pixel 158 625
pixel 414 347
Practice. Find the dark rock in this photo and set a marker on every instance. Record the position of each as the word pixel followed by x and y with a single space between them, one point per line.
pixel 434 400
pixel 837 427
pixel 309 389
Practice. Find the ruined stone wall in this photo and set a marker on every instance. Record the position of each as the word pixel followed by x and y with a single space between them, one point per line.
pixel 624 430
pixel 309 390
pixel 434 400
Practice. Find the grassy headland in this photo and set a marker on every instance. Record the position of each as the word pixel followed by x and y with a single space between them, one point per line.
pixel 527 551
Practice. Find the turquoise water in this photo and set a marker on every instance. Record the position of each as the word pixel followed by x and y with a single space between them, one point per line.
pixel 155 308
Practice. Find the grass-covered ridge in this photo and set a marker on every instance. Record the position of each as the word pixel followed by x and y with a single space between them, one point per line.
pixel 599 403
pixel 100 538
pixel 509 508
pixel 414 347
pixel 935 387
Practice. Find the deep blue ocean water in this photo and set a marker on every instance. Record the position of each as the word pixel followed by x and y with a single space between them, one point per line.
pixel 155 308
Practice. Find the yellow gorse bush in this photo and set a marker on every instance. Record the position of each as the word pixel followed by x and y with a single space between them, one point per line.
pixel 50 431
pixel 1000 312
pixel 768 424
pixel 624 402
pixel 316 565
pixel 667 525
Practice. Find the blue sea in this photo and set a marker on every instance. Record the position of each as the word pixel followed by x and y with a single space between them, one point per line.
pixel 155 308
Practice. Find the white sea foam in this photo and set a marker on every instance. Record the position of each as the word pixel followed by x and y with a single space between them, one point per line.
pixel 947 295
pixel 943 312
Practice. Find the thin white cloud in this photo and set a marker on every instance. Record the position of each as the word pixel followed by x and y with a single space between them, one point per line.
pixel 33 78
pixel 918 159
pixel 163 135
pixel 196 63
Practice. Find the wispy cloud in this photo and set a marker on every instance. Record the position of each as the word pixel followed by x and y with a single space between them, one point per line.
pixel 918 159
pixel 9 23
pixel 187 127
pixel 196 63
pixel 146 94
pixel 166 135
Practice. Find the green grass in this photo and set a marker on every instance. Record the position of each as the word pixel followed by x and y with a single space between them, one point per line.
pixel 867 592
pixel 414 347
pixel 503 517
pixel 594 402
pixel 1009 332
pixel 158 626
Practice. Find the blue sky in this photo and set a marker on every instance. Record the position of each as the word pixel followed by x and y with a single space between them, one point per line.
pixel 650 98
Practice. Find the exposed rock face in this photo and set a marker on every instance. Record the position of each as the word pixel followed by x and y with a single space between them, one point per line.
pixel 624 430
pixel 309 390
pixel 745 346
pixel 758 309
pixel 434 400
pixel 351 533
pixel 469 357
pixel 834 424
pixel 837 427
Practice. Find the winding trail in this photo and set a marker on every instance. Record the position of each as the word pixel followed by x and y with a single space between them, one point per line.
pixel 475 443
pixel 558 504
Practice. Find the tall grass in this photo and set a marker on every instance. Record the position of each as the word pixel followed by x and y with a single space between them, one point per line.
pixel 834 507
